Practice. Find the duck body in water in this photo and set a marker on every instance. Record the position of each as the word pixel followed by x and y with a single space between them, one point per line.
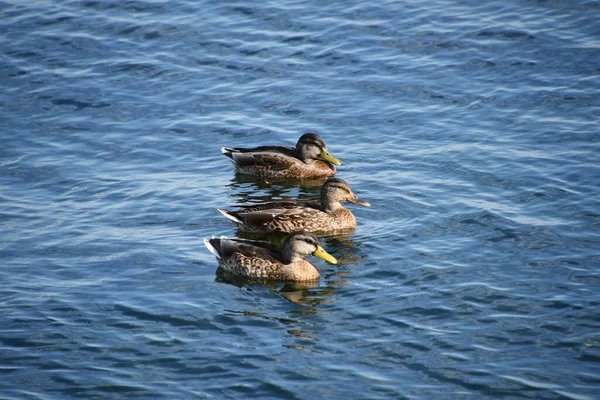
pixel 309 159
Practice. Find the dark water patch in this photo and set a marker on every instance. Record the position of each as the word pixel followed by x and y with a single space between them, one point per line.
pixel 101 5
pixel 79 105
pixel 244 10
pixel 502 35
pixel 170 320
pixel 591 358
pixel 55 20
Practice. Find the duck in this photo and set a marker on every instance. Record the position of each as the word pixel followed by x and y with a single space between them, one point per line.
pixel 262 260
pixel 290 216
pixel 309 159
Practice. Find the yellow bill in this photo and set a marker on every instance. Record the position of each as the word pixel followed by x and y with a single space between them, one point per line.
pixel 321 253
pixel 325 155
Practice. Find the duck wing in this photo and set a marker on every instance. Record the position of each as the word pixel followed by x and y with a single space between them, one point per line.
pixel 274 157
pixel 250 248
pixel 281 211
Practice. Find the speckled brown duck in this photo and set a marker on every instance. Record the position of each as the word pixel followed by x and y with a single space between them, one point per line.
pixel 255 259
pixel 309 159
pixel 292 216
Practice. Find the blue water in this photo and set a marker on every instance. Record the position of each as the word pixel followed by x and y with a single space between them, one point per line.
pixel 472 129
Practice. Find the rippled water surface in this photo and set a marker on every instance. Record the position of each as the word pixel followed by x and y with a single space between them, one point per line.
pixel 472 129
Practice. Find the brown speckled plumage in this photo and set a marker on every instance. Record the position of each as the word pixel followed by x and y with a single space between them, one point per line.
pixel 290 216
pixel 256 259
pixel 309 159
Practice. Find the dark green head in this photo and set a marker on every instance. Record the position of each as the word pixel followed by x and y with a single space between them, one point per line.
pixel 312 147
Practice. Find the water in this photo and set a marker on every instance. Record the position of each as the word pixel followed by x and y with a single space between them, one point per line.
pixel 471 128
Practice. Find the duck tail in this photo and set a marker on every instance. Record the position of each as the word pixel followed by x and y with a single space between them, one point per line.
pixel 212 244
pixel 230 216
pixel 227 151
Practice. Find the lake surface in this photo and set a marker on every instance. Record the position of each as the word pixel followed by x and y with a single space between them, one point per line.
pixel 472 129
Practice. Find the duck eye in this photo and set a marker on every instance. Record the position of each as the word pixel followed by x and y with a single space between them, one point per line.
pixel 311 143
pixel 310 241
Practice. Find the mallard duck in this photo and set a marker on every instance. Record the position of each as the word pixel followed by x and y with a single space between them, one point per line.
pixel 291 216
pixel 256 259
pixel 309 159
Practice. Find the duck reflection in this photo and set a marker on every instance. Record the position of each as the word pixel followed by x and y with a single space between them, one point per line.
pixel 345 245
pixel 248 190
pixel 309 294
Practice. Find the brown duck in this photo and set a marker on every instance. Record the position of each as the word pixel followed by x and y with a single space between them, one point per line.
pixel 255 259
pixel 309 159
pixel 292 216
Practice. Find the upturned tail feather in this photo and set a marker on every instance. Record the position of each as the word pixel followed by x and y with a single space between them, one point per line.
pixel 227 151
pixel 212 248
pixel 227 215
